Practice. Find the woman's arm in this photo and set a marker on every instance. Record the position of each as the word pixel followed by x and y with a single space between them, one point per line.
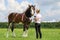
pixel 36 19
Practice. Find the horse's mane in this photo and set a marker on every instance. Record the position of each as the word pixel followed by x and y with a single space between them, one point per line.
pixel 28 12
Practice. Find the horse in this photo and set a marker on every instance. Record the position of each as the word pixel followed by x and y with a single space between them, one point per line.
pixel 21 17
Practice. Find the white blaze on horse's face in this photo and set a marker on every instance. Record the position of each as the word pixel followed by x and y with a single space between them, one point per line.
pixel 32 11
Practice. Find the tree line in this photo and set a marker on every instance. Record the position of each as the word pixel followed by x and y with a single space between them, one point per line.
pixel 43 25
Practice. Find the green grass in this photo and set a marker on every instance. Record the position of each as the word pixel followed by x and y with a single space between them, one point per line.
pixel 47 34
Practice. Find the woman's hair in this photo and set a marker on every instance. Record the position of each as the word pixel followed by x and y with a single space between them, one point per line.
pixel 37 10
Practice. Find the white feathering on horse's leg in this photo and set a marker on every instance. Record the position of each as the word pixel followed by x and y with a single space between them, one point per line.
pixel 8 30
pixel 23 34
pixel 7 35
pixel 26 33
pixel 13 34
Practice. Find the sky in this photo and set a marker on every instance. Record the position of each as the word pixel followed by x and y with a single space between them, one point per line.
pixel 49 9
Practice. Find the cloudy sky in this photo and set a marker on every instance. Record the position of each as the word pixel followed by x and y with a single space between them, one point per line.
pixel 50 9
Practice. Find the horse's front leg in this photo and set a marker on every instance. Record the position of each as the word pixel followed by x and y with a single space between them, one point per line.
pixel 25 30
pixel 27 26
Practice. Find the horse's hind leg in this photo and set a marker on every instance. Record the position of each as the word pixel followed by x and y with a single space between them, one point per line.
pixel 12 29
pixel 8 29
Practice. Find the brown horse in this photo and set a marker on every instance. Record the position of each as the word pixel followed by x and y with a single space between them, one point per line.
pixel 21 17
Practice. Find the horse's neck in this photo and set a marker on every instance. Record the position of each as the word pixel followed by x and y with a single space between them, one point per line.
pixel 28 13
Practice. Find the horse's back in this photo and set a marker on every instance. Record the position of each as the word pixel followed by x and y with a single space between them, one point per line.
pixel 16 17
pixel 11 17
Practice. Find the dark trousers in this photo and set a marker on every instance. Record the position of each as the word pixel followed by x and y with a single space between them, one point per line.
pixel 38 30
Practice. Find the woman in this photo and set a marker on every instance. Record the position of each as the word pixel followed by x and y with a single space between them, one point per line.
pixel 37 20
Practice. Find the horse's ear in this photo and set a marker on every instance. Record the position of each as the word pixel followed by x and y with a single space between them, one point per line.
pixel 29 5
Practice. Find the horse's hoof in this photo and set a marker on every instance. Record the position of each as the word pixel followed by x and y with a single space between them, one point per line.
pixel 24 35
pixel 6 36
pixel 14 36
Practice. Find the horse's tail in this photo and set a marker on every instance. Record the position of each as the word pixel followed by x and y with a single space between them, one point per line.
pixel 12 27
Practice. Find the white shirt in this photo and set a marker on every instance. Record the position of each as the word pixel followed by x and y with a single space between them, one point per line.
pixel 39 18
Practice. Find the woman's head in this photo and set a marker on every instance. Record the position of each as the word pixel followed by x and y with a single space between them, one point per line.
pixel 37 11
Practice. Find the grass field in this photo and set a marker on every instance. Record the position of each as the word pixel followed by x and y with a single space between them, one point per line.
pixel 47 34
